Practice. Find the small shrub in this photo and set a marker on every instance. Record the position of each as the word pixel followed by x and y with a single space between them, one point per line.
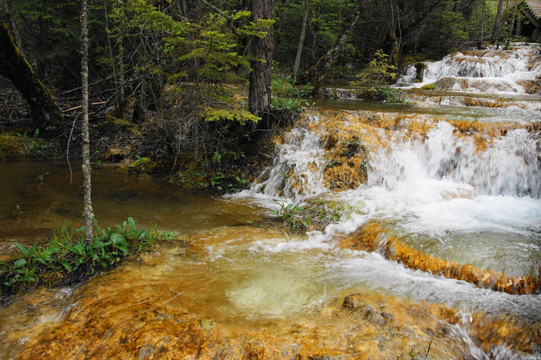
pixel 390 95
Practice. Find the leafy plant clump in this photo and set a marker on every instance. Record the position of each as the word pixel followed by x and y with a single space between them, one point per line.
pixel 68 259
pixel 314 216
pixel 218 182
pixel 288 96
pixel 143 165
pixel 292 218
pixel 390 95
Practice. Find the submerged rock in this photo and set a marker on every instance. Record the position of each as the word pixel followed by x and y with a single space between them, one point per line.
pixel 368 238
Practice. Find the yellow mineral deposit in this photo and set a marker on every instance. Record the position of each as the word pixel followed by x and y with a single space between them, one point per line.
pixel 368 238
pixel 357 326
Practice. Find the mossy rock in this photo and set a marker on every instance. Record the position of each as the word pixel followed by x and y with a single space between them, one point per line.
pixel 12 147
pixel 118 122
pixel 141 165
pixel 428 86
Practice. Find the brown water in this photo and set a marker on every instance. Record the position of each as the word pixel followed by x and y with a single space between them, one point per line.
pixel 39 196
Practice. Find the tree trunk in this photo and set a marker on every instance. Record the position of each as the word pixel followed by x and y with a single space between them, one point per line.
pixel 497 22
pixel 45 113
pixel 514 19
pixel 87 192
pixel 121 70
pixel 259 96
pixel 483 15
pixel 316 74
pixel 301 39
pixel 6 4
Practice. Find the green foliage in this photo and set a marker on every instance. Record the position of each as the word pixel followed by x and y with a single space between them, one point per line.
pixel 447 30
pixel 210 52
pixel 290 216
pixel 287 96
pixel 220 182
pixel 141 165
pixel 390 95
pixel 37 145
pixel 379 71
pixel 20 145
pixel 11 147
pixel 314 216
pixel 18 211
pixel 330 211
pixel 68 253
pixel 326 18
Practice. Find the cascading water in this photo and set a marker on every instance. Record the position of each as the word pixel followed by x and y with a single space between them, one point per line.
pixel 486 71
pixel 294 173
pixel 508 166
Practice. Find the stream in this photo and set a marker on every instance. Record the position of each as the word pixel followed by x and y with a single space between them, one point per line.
pixel 450 178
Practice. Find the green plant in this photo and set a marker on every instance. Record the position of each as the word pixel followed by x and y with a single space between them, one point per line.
pixel 286 96
pixel 290 215
pixel 18 211
pixel 37 144
pixel 68 253
pixel 141 165
pixel 390 95
pixel 40 177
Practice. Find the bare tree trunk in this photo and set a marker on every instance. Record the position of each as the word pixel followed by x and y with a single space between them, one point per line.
pixel 316 74
pixel 301 39
pixel 497 22
pixel 45 113
pixel 259 96
pixel 121 70
pixel 483 15
pixel 88 212
pixel 514 19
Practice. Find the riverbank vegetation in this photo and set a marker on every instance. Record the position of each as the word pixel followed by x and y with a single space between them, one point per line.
pixel 68 259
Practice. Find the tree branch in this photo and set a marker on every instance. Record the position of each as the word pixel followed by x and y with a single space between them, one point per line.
pixel 227 17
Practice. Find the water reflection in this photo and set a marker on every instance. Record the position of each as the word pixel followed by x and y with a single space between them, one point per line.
pixel 39 196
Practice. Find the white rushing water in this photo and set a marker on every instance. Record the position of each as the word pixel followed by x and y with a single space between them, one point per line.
pixel 481 71
pixel 293 174
pixel 509 166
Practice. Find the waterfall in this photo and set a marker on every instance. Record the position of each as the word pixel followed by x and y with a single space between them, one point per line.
pixel 504 164
pixel 296 171
pixel 488 71
pixel 509 165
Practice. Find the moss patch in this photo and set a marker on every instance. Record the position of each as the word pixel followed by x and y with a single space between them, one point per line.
pixel 428 86
pixel 142 165
pixel 11 147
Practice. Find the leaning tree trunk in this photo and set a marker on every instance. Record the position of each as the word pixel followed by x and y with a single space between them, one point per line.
pixel 316 74
pixel 259 96
pixel 497 22
pixel 301 39
pixel 87 192
pixel 14 28
pixel 45 113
